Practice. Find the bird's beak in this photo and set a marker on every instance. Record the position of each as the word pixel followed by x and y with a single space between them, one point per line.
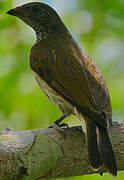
pixel 12 12
pixel 15 12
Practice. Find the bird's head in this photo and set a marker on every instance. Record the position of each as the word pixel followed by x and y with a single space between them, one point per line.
pixel 41 17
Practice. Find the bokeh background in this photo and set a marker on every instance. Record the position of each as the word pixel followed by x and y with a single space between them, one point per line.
pixel 98 26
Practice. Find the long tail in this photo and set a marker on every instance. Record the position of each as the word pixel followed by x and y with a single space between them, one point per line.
pixel 92 146
pixel 99 148
pixel 106 152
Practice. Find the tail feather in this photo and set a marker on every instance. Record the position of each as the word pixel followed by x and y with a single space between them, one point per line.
pixel 106 151
pixel 93 151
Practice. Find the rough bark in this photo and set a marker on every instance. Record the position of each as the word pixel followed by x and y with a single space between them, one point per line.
pixel 45 154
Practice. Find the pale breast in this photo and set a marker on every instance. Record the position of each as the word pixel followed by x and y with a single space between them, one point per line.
pixel 54 97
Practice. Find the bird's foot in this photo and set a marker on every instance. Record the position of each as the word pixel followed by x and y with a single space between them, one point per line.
pixel 58 128
pixel 58 121
pixel 57 124
pixel 63 125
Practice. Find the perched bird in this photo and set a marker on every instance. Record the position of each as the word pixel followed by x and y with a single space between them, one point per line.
pixel 70 79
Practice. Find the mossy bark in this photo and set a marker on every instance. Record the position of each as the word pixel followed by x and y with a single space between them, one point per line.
pixel 46 154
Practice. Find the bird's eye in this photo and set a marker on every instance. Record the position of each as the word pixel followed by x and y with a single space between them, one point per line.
pixel 35 9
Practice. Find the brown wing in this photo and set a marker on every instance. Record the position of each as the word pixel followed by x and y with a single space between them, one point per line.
pixel 78 81
pixel 97 85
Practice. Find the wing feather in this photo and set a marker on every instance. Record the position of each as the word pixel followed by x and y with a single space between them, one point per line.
pixel 79 81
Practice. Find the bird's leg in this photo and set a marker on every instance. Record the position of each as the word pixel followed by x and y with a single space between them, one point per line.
pixel 56 124
pixel 58 121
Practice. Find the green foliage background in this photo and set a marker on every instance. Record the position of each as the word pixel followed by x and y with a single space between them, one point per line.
pixel 99 28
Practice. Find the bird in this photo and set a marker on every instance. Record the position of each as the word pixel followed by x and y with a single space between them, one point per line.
pixel 70 79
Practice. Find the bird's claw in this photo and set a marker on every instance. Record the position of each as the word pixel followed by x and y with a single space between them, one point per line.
pixel 63 125
pixel 57 127
pixel 57 122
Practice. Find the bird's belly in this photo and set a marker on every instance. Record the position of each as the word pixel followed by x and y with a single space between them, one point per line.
pixel 54 97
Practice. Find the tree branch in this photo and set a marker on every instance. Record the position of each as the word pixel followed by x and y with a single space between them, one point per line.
pixel 47 153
